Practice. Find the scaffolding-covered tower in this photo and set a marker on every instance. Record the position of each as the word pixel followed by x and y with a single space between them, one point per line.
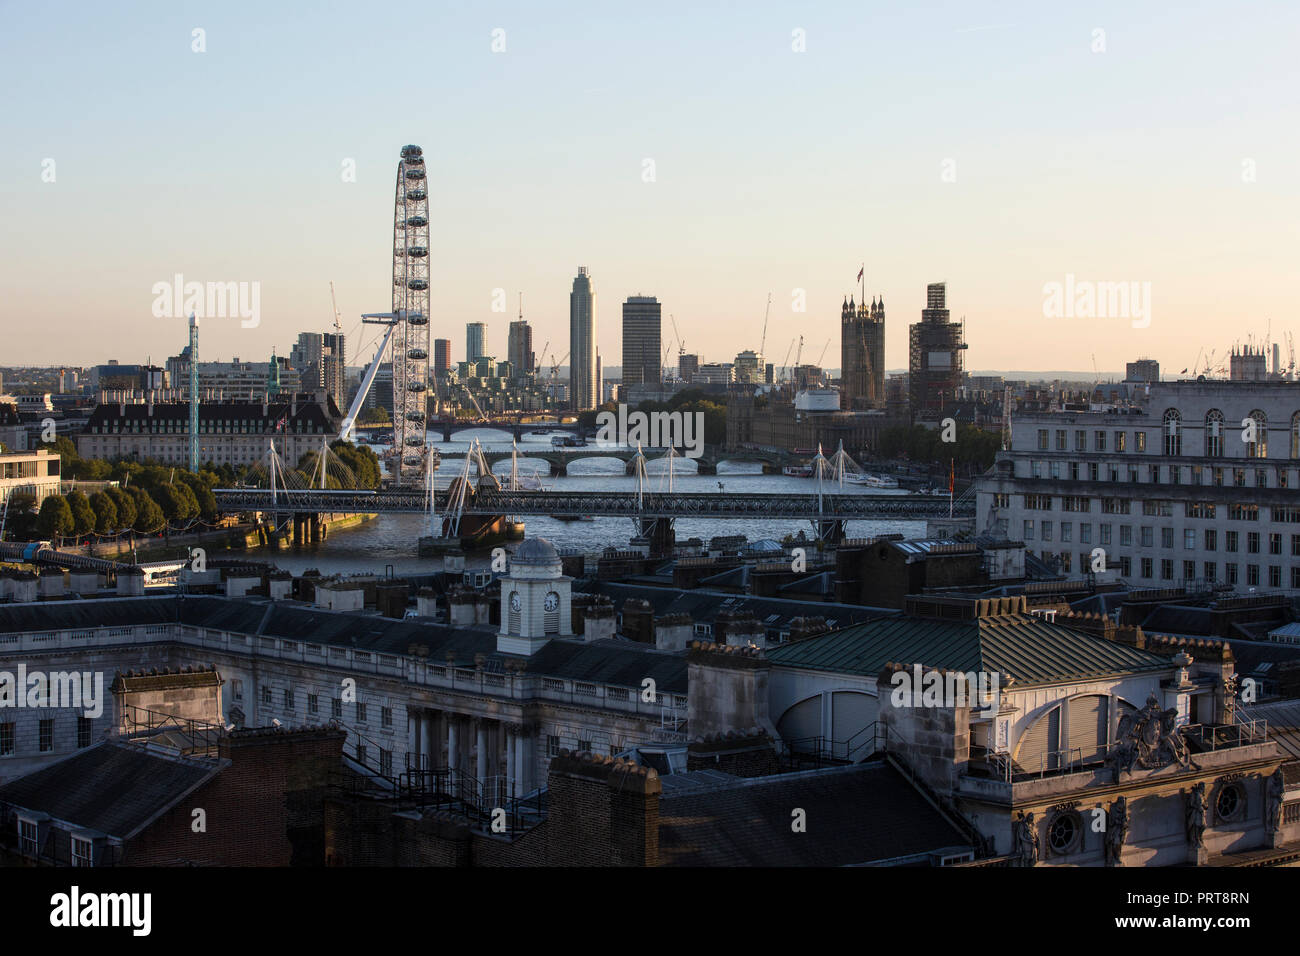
pixel 935 357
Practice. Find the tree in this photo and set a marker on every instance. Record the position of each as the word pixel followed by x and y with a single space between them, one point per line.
pixel 55 519
pixel 125 504
pixel 200 486
pixel 361 460
pixel 105 512
pixel 67 451
pixel 149 517
pixel 83 516
pixel 375 416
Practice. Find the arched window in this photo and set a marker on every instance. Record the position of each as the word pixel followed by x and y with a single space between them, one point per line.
pixel 1173 428
pixel 1214 422
pixel 1295 435
pixel 1258 448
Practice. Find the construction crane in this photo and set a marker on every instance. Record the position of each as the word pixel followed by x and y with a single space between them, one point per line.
pixel 762 345
pixel 338 318
pixel 799 354
pixel 681 345
pixel 785 363
pixel 823 355
pixel 1290 346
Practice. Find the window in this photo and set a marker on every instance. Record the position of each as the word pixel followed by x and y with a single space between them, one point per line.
pixel 1257 446
pixel 1105 535
pixel 1252 542
pixel 1067 533
pixel 1211 540
pixel 1042 439
pixel 1001 500
pixel 6 739
pixel 288 700
pixel 552 745
pixel 84 726
pixel 1214 434
pixel 1076 504
pixel 1274 544
pixel 1173 432
pixel 313 704
pixel 46 735
pixel 1295 435
pixel 1146 538
pixel 1047 530
pixel 1243 512
pixel 266 695
pixel 1230 541
pixel 361 752
pixel 236 689
pixel 385 716
pixel 1274 576
pixel 1094 471
pixel 1061 444
pixel 27 831
pixel 1261 478
pixel 1166 537
pixel 1231 571
pixel 361 713
pixel 1140 442
pixel 1295 545
pixel 1029 529
pixel 1120 443
pixel 83 852
pixel 1115 506
pixel 1125 536
pixel 1146 567
pixel 1210 571
pixel 1189 570
pixel 1198 509
pixel 1286 515
pixel 1085 534
pixel 385 762
pixel 1239 477
pixel 1080 440
pixel 1189 539
pixel 336 707
pixel 1099 441
pixel 1038 502
pixel 1166 569
pixel 1158 509
pixel 1252 575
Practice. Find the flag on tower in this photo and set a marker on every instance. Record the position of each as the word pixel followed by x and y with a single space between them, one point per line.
pixel 861 273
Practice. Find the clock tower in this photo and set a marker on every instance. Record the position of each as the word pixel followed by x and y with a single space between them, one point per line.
pixel 536 599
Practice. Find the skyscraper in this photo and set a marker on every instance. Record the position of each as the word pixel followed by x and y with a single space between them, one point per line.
pixel 520 348
pixel 642 317
pixel 475 336
pixel 584 389
pixel 441 356
pixel 335 367
pixel 935 357
pixel 862 355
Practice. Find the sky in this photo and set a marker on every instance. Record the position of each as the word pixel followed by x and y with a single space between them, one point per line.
pixel 999 147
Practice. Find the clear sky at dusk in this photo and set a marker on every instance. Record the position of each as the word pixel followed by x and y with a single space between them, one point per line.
pixel 1169 158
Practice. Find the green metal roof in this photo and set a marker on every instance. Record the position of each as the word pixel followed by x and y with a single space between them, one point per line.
pixel 1031 649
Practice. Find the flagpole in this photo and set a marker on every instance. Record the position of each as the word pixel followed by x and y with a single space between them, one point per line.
pixel 952 481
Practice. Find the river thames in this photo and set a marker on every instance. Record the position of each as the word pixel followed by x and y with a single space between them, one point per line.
pixel 389 540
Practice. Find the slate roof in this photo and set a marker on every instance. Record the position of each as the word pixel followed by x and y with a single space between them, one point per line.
pixel 862 814
pixel 609 662
pixel 1026 647
pixel 703 604
pixel 113 787
pixel 1283 718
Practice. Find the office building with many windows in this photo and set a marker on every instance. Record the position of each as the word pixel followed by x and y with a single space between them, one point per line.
pixel 1193 482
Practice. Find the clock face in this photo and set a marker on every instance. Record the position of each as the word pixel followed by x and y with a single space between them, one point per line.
pixel 552 601
pixel 514 601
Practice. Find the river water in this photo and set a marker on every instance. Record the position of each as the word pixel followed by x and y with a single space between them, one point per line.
pixel 389 540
